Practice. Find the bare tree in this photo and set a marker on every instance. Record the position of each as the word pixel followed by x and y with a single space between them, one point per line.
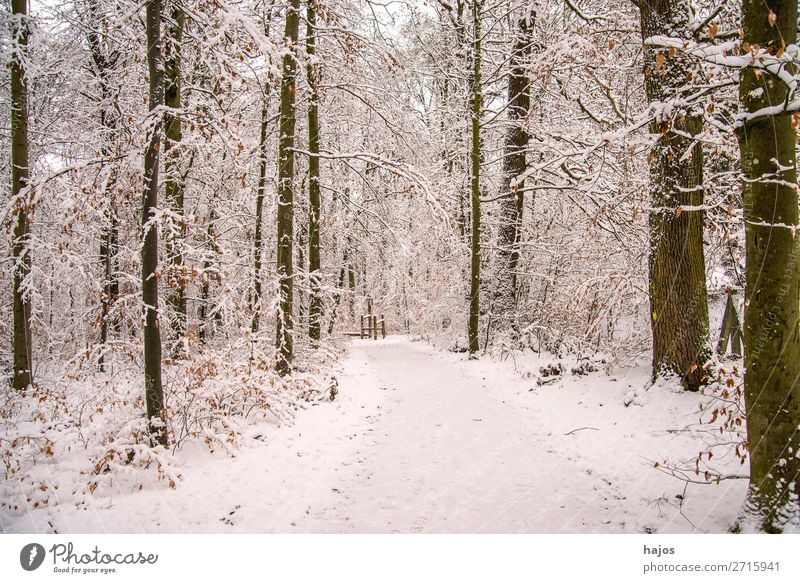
pixel 174 179
pixel 20 174
pixel 514 164
pixel 154 394
pixel 286 155
pixel 314 205
pixel 475 182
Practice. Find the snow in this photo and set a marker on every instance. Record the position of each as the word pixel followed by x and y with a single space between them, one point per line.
pixel 422 440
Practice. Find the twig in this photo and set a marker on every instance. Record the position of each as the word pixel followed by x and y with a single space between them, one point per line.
pixel 581 429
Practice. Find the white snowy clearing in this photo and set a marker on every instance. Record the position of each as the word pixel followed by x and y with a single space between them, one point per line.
pixel 420 440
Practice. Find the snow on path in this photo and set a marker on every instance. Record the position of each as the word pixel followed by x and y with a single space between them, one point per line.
pixel 425 441
pixel 466 446
pixel 449 455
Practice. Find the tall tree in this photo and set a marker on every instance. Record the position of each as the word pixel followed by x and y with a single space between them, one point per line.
pixel 205 284
pixel 23 361
pixel 678 298
pixel 258 239
pixel 154 394
pixel 210 272
pixel 475 183
pixel 516 142
pixel 104 59
pixel 767 141
pixel 459 47
pixel 285 323
pixel 173 179
pixel 314 206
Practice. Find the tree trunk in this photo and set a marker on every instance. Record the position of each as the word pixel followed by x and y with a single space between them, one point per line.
pixel 258 238
pixel 514 163
pixel 104 59
pixel 285 324
pixel 462 58
pixel 340 289
pixel 258 244
pixel 314 204
pixel 772 284
pixel 20 251
pixel 109 247
pixel 154 395
pixel 678 299
pixel 204 326
pixel 300 260
pixel 475 158
pixel 173 179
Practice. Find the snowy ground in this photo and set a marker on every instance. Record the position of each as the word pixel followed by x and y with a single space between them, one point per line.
pixel 420 440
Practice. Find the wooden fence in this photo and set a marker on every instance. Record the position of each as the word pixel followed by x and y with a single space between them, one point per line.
pixel 731 329
pixel 370 326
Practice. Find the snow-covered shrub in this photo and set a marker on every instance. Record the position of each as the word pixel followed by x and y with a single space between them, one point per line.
pixel 84 433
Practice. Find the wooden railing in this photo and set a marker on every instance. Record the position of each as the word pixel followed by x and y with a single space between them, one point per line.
pixel 370 326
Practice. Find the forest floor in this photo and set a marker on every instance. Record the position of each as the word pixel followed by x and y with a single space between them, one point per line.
pixel 421 440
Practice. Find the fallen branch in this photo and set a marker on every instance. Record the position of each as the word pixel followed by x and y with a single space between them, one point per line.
pixel 581 429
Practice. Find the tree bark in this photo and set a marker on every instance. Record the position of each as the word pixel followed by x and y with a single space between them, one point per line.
pixel 772 283
pixel 154 395
pixel 462 58
pixel 205 287
pixel 314 203
pixel 285 324
pixel 104 59
pixel 678 298
pixel 20 251
pixel 258 238
pixel 514 163
pixel 258 243
pixel 173 179
pixel 475 158
pixel 204 326
pixel 340 289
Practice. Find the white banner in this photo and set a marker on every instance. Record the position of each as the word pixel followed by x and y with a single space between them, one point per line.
pixel 406 558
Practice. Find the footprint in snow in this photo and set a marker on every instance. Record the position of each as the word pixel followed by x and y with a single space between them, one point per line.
pixel 231 519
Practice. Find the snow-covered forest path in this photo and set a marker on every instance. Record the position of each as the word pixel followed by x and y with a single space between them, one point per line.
pixel 420 440
pixel 444 451
pixel 445 444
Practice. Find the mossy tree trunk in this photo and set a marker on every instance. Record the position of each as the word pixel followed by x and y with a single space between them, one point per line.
pixel 285 324
pixel 678 297
pixel 20 251
pixel 314 202
pixel 772 282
